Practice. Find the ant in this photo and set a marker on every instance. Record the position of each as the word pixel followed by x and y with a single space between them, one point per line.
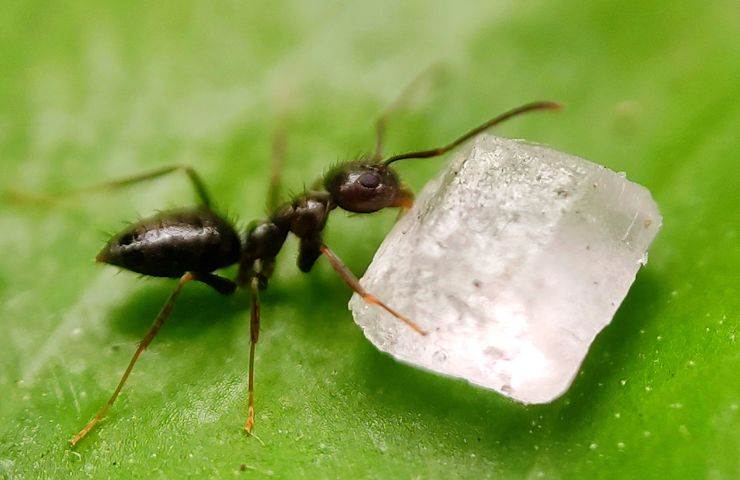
pixel 190 244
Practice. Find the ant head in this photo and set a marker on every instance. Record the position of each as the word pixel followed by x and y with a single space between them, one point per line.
pixel 362 186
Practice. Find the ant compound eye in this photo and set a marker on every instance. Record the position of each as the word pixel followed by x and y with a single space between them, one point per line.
pixel 369 180
pixel 362 187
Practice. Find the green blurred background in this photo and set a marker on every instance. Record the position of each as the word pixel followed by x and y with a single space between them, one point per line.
pixel 94 90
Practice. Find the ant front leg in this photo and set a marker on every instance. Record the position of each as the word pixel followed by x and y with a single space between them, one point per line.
pixel 351 280
pixel 197 183
pixel 404 201
pixel 309 251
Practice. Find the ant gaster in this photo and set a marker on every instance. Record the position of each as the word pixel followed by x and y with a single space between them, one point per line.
pixel 190 244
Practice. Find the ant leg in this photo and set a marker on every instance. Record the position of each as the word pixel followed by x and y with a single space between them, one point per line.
pixel 197 183
pixel 400 102
pixel 254 333
pixel 279 143
pixel 222 285
pixel 158 322
pixel 350 279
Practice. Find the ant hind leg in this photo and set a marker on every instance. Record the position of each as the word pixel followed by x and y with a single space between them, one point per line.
pixel 222 285
pixel 196 181
pixel 162 316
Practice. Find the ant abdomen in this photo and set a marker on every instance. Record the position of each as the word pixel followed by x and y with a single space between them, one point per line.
pixel 174 242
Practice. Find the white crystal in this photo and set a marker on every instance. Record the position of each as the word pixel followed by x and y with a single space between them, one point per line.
pixel 513 259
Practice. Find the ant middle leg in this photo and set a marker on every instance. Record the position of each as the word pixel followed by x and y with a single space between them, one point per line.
pixel 254 334
pixel 279 144
pixel 220 284
pixel 196 181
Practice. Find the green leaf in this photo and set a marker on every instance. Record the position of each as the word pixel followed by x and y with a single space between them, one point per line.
pixel 96 90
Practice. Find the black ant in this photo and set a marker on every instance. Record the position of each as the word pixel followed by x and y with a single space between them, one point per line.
pixel 190 244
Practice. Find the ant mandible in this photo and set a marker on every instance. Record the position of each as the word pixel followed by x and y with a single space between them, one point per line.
pixel 189 244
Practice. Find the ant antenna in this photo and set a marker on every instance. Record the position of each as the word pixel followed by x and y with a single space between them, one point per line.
pixel 435 152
